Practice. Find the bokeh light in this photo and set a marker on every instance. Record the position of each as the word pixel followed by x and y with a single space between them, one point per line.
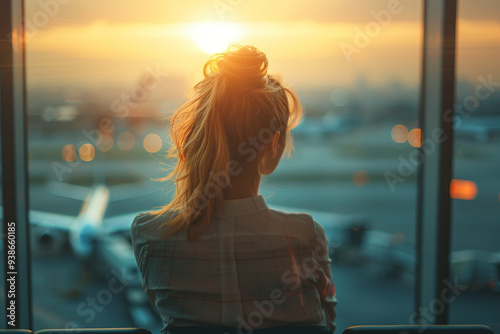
pixel 399 133
pixel 339 97
pixel 87 152
pixel 399 237
pixel 106 143
pixel 361 178
pixel 126 141
pixel 68 152
pixel 414 137
pixel 463 189
pixel 152 143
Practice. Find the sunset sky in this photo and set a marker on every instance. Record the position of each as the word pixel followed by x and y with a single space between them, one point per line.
pixel 311 44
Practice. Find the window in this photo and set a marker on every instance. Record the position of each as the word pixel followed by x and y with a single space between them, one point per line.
pixel 100 83
pixel 475 187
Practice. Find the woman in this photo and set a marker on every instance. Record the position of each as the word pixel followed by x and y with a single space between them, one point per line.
pixel 216 255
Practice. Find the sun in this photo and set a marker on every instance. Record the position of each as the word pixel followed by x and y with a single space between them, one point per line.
pixel 213 37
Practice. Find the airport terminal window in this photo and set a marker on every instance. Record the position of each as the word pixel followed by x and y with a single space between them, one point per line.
pixel 475 186
pixel 100 82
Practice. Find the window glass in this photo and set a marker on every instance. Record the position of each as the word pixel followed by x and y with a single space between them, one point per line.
pixel 102 77
pixel 475 188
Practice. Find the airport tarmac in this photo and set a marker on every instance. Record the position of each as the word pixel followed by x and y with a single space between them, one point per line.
pixel 64 289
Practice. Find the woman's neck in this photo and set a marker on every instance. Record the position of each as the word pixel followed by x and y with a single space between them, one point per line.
pixel 243 185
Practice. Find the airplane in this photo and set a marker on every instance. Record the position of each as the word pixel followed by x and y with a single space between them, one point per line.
pixel 48 228
pixel 474 268
pixel 102 245
pixel 50 231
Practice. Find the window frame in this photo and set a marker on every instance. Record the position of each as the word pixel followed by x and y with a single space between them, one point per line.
pixel 14 166
pixel 435 173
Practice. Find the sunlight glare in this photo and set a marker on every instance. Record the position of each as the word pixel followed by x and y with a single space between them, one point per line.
pixel 213 37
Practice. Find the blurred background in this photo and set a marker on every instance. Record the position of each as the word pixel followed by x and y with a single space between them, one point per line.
pixel 104 76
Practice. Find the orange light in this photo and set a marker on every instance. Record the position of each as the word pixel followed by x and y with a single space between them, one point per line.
pixel 360 178
pixel 463 189
pixel 399 133
pixel 106 143
pixel 414 137
pixel 68 152
pixel 152 143
pixel 87 152
pixel 14 37
pixel 16 40
pixel 126 141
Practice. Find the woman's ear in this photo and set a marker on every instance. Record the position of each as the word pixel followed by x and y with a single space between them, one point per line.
pixel 275 144
pixel 272 155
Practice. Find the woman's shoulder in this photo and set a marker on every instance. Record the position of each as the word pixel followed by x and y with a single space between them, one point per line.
pixel 305 220
pixel 147 225
pixel 140 224
pixel 292 216
pixel 141 220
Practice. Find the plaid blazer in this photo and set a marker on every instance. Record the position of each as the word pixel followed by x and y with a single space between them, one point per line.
pixel 252 268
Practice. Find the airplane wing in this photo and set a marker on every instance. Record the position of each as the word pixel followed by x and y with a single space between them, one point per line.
pixel 66 190
pixel 118 223
pixel 50 220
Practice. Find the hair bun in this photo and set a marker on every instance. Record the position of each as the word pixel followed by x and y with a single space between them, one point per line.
pixel 245 64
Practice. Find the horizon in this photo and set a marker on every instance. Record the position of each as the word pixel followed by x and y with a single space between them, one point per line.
pixel 96 50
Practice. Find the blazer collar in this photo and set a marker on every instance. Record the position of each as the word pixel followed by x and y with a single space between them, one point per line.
pixel 243 206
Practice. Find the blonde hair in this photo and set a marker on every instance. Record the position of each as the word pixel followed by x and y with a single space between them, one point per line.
pixel 235 102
